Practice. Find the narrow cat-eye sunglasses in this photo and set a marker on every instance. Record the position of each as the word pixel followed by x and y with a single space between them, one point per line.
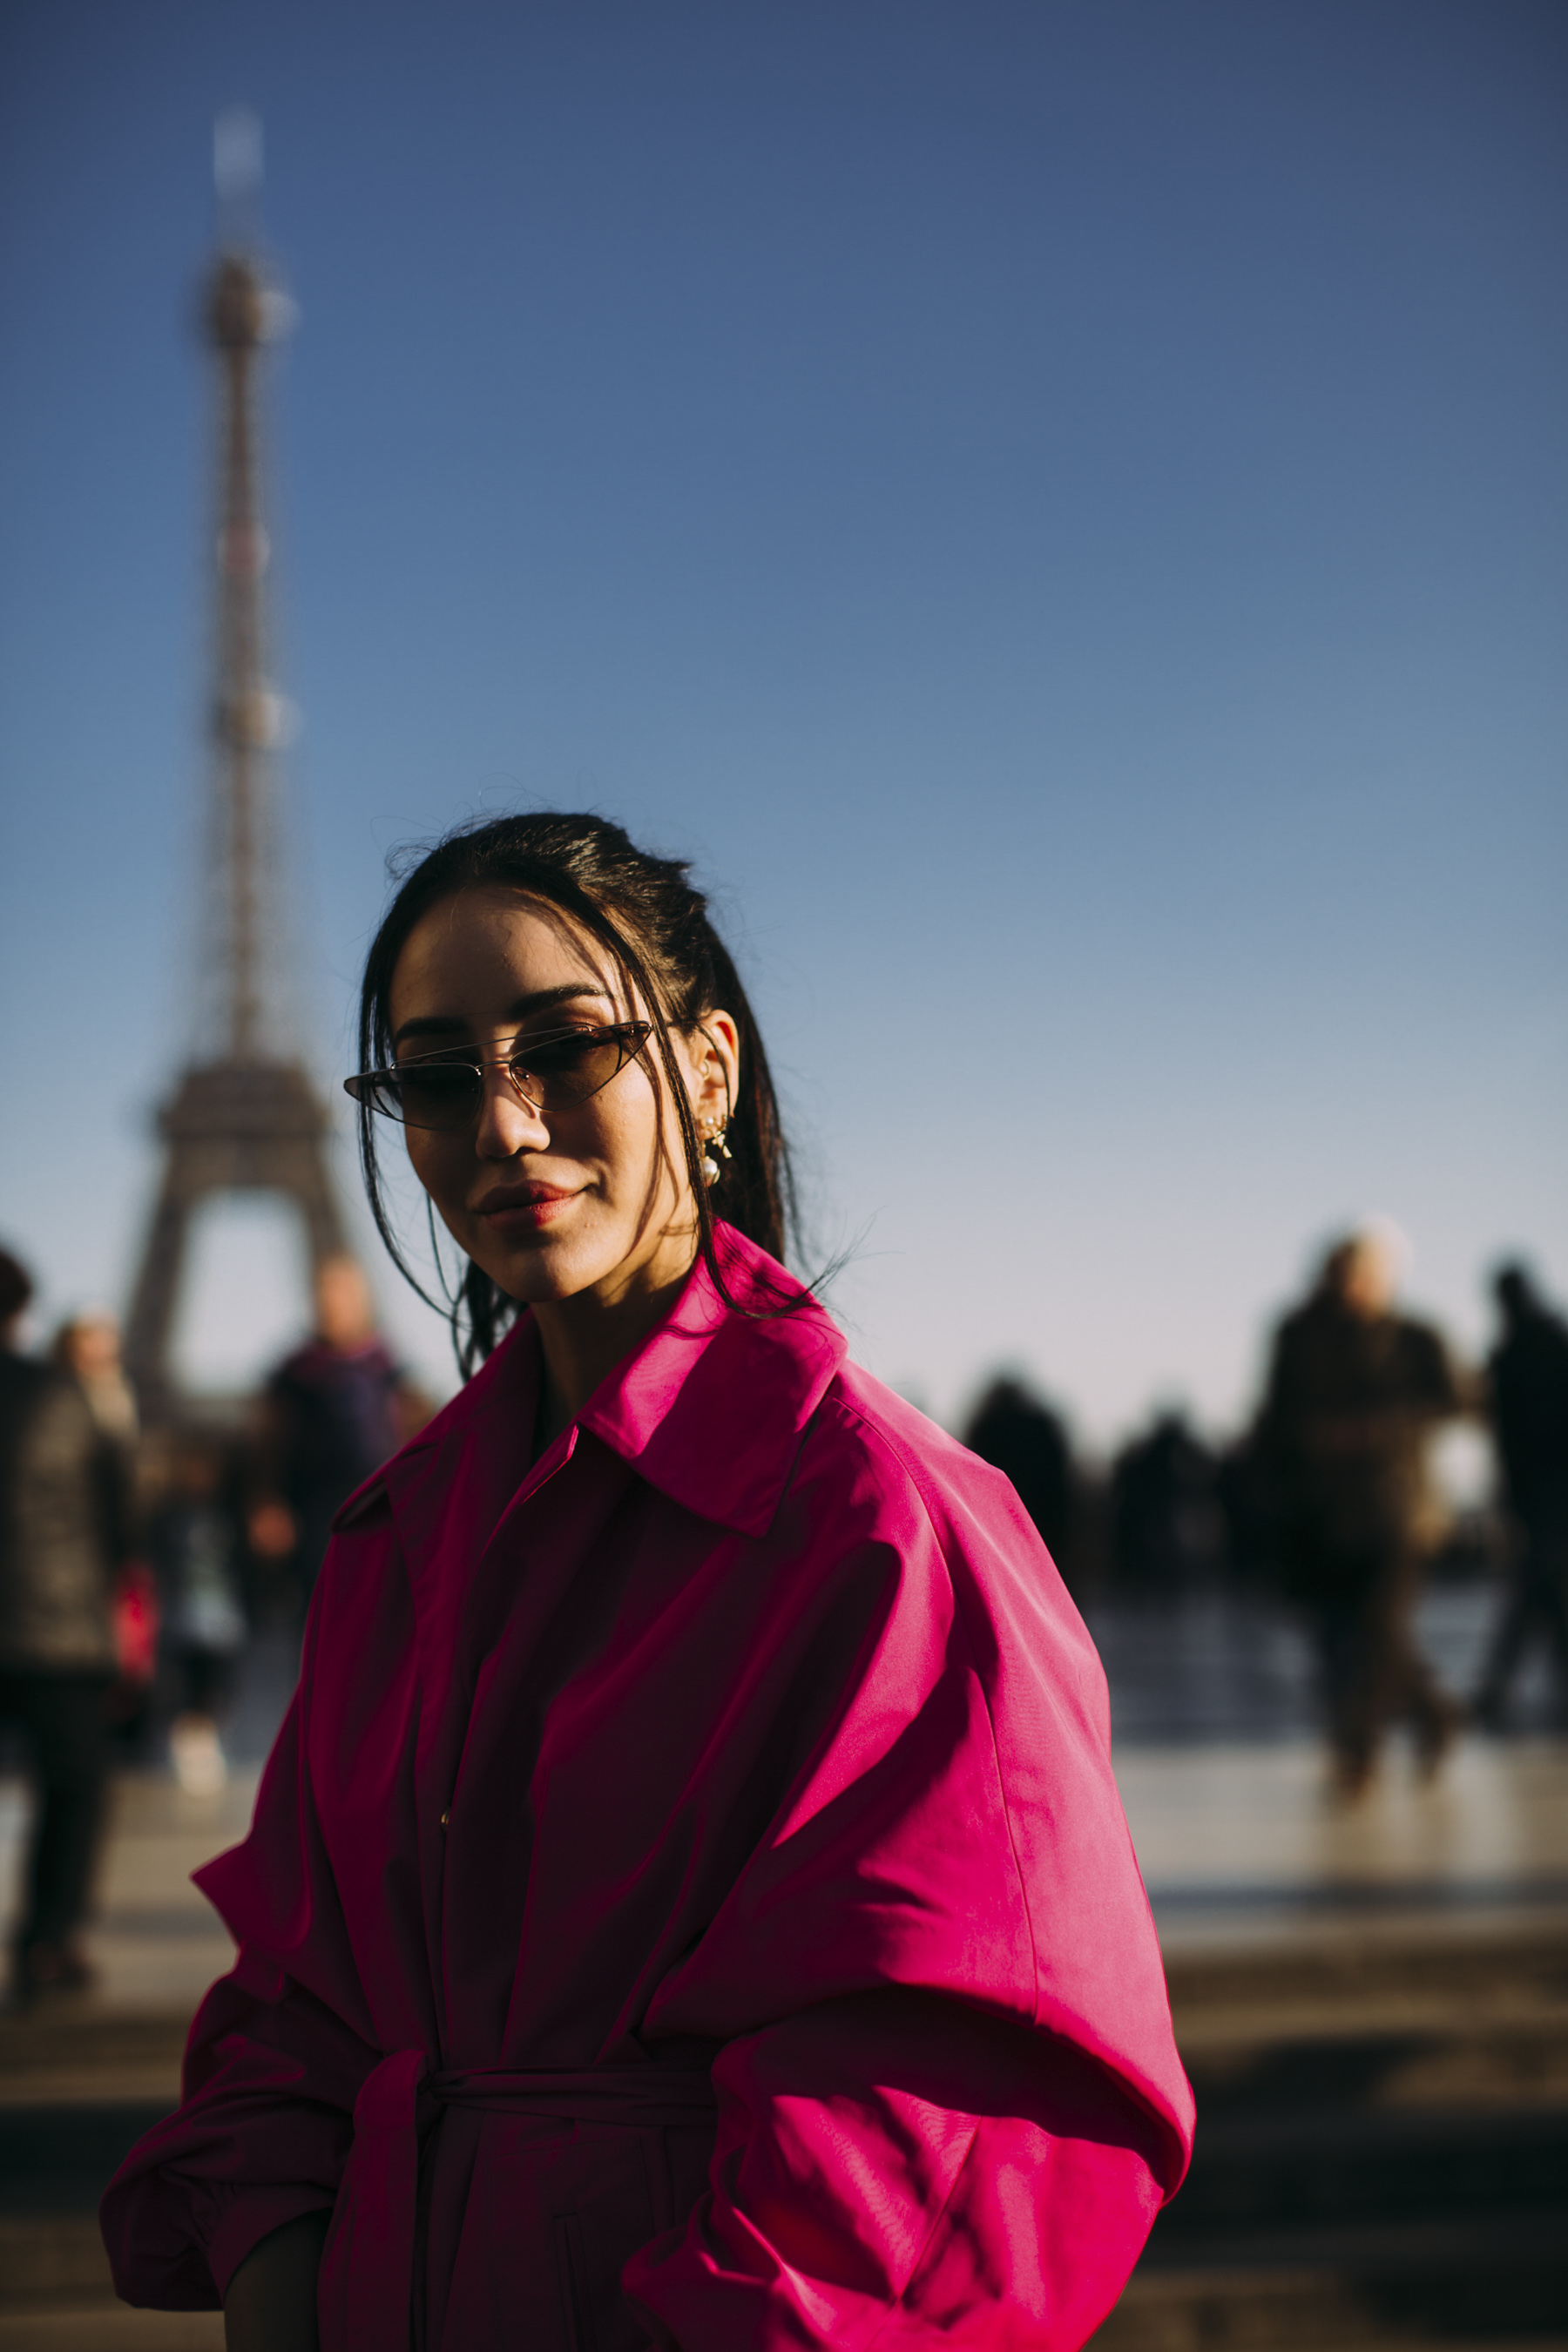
pixel 442 1091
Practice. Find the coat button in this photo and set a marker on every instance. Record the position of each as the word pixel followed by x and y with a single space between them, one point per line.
pixel 445 1820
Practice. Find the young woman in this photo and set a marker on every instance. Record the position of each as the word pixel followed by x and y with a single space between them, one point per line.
pixel 689 1902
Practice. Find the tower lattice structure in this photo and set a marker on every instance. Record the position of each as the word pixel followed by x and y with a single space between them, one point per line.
pixel 244 1115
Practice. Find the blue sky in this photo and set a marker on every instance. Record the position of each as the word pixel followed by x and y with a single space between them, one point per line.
pixel 1057 508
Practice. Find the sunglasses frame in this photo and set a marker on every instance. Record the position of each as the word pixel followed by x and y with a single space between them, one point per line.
pixel 631 1036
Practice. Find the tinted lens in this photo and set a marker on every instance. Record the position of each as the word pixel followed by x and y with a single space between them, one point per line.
pixel 444 1095
pixel 554 1072
pixel 566 1070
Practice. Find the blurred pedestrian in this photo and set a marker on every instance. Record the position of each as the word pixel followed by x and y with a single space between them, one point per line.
pixel 87 1345
pixel 1354 1393
pixel 195 1539
pixel 333 1412
pixel 1020 1435
pixel 1528 1397
pixel 1167 1532
pixel 62 1534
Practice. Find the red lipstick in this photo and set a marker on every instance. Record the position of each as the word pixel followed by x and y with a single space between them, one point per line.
pixel 523 1208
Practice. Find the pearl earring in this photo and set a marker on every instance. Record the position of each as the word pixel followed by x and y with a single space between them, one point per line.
pixel 712 1141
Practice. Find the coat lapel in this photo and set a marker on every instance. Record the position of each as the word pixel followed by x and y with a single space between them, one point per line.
pixel 711 1409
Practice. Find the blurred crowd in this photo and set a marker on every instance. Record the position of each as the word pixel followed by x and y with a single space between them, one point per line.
pixel 1328 1497
pixel 136 1564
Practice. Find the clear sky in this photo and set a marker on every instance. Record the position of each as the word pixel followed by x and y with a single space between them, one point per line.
pixel 1060 508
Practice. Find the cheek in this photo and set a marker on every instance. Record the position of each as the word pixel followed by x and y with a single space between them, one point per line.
pixel 430 1164
pixel 631 1136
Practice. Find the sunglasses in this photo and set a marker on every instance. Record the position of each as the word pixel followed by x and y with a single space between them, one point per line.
pixel 442 1092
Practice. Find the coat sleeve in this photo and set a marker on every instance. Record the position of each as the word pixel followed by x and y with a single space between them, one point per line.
pixel 896 2168
pixel 950 2101
pixel 249 2149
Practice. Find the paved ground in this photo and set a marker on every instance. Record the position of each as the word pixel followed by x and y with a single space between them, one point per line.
pixel 157 1943
pixel 1231 1666
pixel 1243 1845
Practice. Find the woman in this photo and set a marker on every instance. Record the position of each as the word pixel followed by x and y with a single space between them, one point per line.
pixel 688 1902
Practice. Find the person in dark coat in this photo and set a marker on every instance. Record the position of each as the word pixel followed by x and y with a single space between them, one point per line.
pixel 63 1516
pixel 334 1410
pixel 1528 1396
pixel 1356 1392
pixel 1019 1434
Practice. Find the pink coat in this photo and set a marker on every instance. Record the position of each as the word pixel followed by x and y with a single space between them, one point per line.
pixel 688 1902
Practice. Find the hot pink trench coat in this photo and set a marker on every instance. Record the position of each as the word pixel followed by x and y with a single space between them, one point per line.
pixel 688 1902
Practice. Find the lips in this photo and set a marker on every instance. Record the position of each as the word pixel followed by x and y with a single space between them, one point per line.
pixel 522 1208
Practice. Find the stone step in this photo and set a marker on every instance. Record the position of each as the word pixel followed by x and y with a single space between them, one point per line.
pixel 111 2327
pixel 71 2053
pixel 1510 2063
pixel 1460 2282
pixel 57 2161
pixel 52 2261
pixel 1245 2310
pixel 1382 2156
pixel 1271 2172
pixel 1410 1977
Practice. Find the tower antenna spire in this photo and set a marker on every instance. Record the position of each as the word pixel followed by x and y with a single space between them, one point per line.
pixel 243 1116
pixel 238 173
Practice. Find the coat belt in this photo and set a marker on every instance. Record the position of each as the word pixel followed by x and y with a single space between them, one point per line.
pixel 378 2203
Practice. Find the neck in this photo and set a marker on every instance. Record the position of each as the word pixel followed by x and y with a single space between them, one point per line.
pixel 584 1338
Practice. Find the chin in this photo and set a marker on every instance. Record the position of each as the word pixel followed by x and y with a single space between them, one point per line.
pixel 537 1273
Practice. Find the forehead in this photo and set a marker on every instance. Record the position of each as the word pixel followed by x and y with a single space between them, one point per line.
pixel 487 947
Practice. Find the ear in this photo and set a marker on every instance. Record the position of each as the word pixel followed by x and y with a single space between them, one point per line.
pixel 715 1048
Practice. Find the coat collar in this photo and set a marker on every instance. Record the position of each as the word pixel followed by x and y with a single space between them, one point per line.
pixel 709 1409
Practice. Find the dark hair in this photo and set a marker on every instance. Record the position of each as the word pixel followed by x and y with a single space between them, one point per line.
pixel 15 1286
pixel 1514 1290
pixel 655 925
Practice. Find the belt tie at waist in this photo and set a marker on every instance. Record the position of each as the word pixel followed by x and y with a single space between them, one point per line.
pixel 378 2203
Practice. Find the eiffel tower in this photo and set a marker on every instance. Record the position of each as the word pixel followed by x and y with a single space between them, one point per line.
pixel 244 1115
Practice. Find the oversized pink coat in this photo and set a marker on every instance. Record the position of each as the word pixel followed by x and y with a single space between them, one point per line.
pixel 688 1902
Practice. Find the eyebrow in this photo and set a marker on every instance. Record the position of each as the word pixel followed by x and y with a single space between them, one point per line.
pixel 448 1024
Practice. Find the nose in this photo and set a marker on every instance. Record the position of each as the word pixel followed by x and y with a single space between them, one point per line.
pixel 508 1121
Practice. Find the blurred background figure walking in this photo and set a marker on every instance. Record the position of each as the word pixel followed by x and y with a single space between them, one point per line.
pixel 63 1535
pixel 1354 1394
pixel 333 1412
pixel 1017 1433
pixel 195 1542
pixel 88 1346
pixel 1527 1394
